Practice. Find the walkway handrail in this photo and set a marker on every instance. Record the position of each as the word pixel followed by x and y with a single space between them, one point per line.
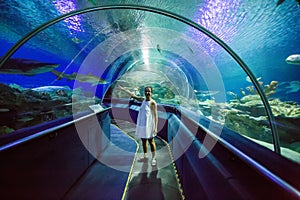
pixel 48 131
pixel 183 19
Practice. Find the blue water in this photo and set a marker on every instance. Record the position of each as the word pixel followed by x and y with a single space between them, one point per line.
pixel 262 34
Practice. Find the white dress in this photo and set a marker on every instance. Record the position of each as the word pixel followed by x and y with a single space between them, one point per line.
pixel 145 121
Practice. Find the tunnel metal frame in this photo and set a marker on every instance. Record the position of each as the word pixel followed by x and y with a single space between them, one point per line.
pixel 172 15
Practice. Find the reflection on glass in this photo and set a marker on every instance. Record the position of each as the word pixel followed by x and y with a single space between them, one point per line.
pixel 138 48
pixel 244 113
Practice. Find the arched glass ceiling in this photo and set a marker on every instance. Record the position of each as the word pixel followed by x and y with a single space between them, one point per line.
pixel 198 66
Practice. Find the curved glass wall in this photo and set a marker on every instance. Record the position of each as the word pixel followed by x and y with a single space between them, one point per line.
pixel 70 66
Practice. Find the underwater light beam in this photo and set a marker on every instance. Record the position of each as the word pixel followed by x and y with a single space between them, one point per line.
pixel 145 43
pixel 73 22
pixel 217 16
pixel 145 55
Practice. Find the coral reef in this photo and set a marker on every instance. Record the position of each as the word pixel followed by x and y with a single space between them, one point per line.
pixel 268 90
pixel 245 113
pixel 248 116
pixel 20 107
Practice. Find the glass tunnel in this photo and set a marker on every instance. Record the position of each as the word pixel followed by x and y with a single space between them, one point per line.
pixel 229 69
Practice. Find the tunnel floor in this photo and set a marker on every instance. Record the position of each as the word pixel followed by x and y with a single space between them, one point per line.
pixel 137 179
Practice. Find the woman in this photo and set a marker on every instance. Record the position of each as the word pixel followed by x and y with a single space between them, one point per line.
pixel 146 126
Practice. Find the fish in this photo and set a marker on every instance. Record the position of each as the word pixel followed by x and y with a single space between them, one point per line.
pixel 233 95
pixel 26 67
pixel 89 78
pixel 294 87
pixel 281 1
pixel 25 119
pixel 293 59
pixel 242 92
pixel 50 88
pixel 249 80
pixel 93 2
pixel 191 50
pixel 76 40
pixel 205 93
pixel 4 110
pixel 54 90
pixel 158 48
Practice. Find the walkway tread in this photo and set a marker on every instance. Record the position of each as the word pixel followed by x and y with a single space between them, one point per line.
pixel 107 177
pixel 118 173
pixel 152 182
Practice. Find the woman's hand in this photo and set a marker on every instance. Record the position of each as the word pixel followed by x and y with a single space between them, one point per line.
pixel 125 90
pixel 120 87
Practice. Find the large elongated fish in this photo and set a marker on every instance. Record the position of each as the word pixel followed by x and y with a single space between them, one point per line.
pixel 89 78
pixel 249 80
pixel 293 59
pixel 26 67
pixel 281 1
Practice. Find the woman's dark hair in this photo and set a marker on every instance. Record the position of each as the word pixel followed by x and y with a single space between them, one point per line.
pixel 149 87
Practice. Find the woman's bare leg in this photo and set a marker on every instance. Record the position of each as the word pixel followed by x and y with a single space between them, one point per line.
pixel 152 147
pixel 145 147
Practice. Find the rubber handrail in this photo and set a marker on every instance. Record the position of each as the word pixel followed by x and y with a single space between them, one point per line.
pixel 48 131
